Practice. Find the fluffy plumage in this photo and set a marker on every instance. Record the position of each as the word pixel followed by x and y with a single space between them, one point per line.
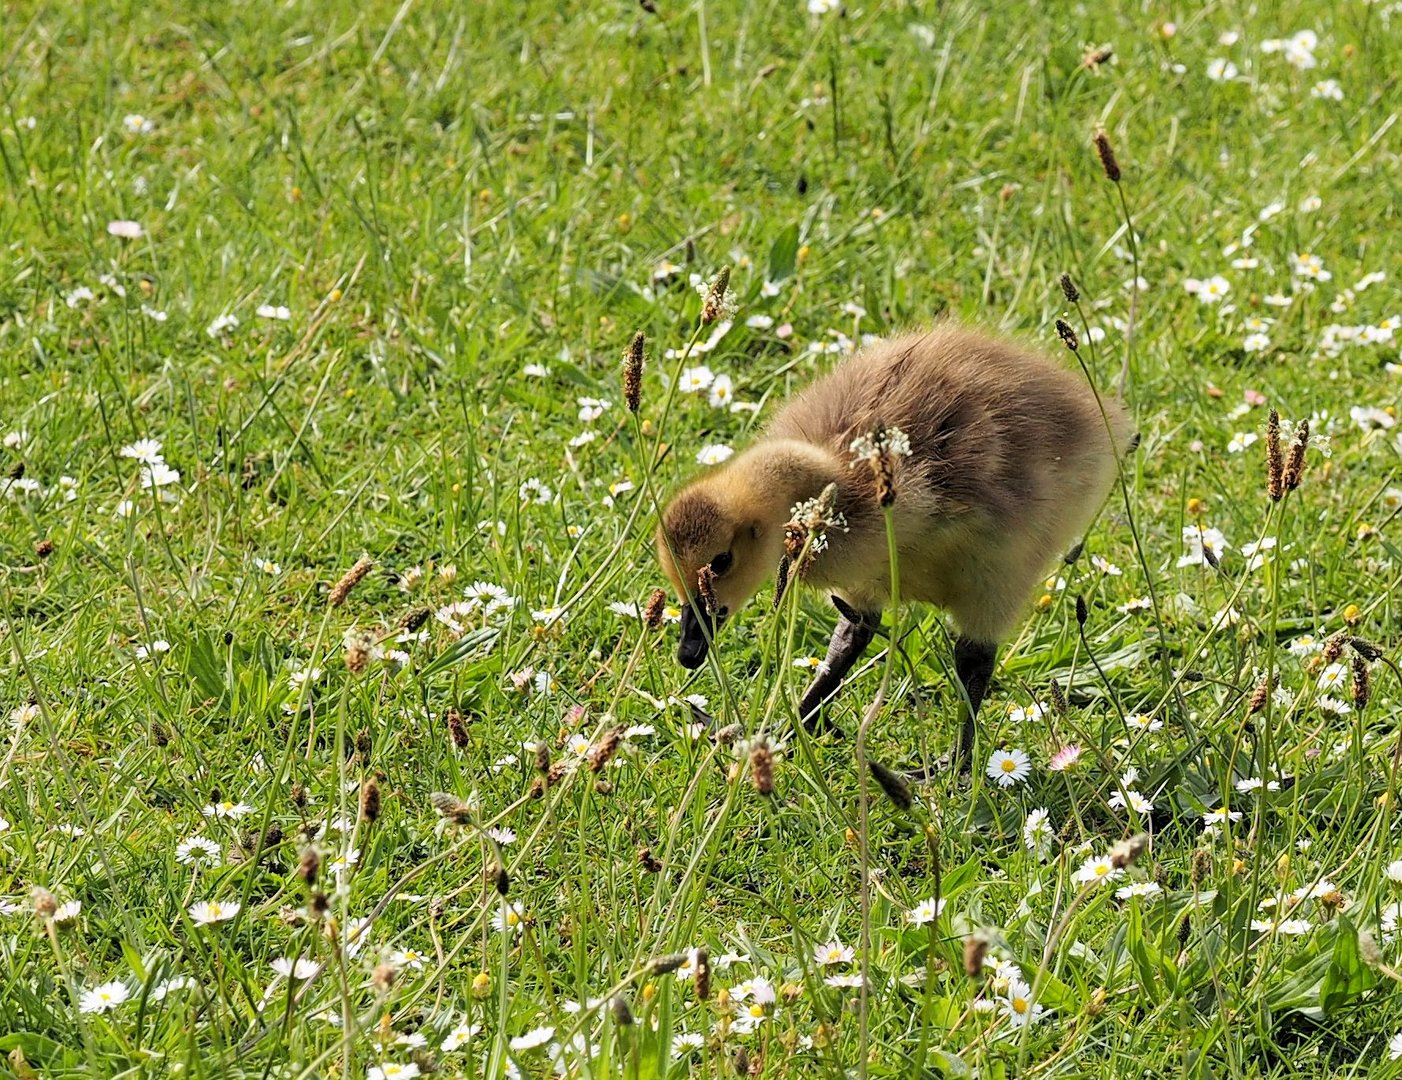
pixel 1011 456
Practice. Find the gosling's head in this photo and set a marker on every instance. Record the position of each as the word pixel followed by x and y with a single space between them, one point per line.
pixel 707 526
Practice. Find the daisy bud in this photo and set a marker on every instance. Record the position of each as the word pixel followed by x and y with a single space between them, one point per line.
pixel 481 984
pixel 1259 696
pixel 457 728
pixel 892 783
pixel 665 965
pixel 1295 463
pixel 45 903
pixel 370 801
pixel 1082 611
pixel 1362 683
pixel 653 612
pixel 762 765
pixel 1108 161
pixel 350 580
pixel 1333 649
pixel 1275 464
pixel 701 973
pixel 622 1014
pixel 633 372
pixel 308 865
pixel 1069 290
pixel 975 949
pixel 706 588
pixel 648 861
pixel 1067 335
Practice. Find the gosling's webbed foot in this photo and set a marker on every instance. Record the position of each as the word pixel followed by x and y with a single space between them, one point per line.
pixel 850 639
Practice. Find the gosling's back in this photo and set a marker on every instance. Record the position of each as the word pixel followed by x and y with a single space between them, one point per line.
pixel 1010 458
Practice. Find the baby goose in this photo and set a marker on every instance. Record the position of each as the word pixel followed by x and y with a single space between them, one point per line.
pixel 1010 458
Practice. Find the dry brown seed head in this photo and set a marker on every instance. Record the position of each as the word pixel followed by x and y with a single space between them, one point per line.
pixel 762 765
pixel 370 801
pixel 308 866
pixel 648 861
pixel 1108 161
pixel 1259 696
pixel 44 548
pixel 45 903
pixel 1365 649
pixel 451 808
pixel 1126 851
pixel 975 949
pixel 415 619
pixel 701 972
pixel 716 303
pixel 633 372
pixel 1275 464
pixel 1333 648
pixel 665 965
pixel 457 728
pixel 350 580
pixel 542 756
pixel 1362 682
pixel 727 735
pixel 602 752
pixel 706 589
pixel 1069 290
pixel 360 650
pixel 1295 463
pixel 655 609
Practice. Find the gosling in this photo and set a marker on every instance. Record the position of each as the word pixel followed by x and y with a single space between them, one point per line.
pixel 1010 458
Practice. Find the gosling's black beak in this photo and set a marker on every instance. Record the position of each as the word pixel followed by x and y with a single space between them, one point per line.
pixel 696 635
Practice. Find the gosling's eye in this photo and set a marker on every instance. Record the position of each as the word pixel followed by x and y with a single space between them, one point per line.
pixel 721 563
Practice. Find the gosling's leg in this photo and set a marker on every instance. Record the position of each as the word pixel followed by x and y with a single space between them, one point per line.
pixel 973 665
pixel 854 632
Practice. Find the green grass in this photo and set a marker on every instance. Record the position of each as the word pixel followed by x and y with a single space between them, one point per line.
pixel 442 195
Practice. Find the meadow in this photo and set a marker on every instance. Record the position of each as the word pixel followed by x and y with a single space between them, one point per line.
pixel 340 730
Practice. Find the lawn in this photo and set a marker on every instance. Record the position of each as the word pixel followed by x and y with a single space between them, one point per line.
pixel 333 739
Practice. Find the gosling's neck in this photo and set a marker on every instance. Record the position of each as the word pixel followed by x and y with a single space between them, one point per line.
pixel 780 473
